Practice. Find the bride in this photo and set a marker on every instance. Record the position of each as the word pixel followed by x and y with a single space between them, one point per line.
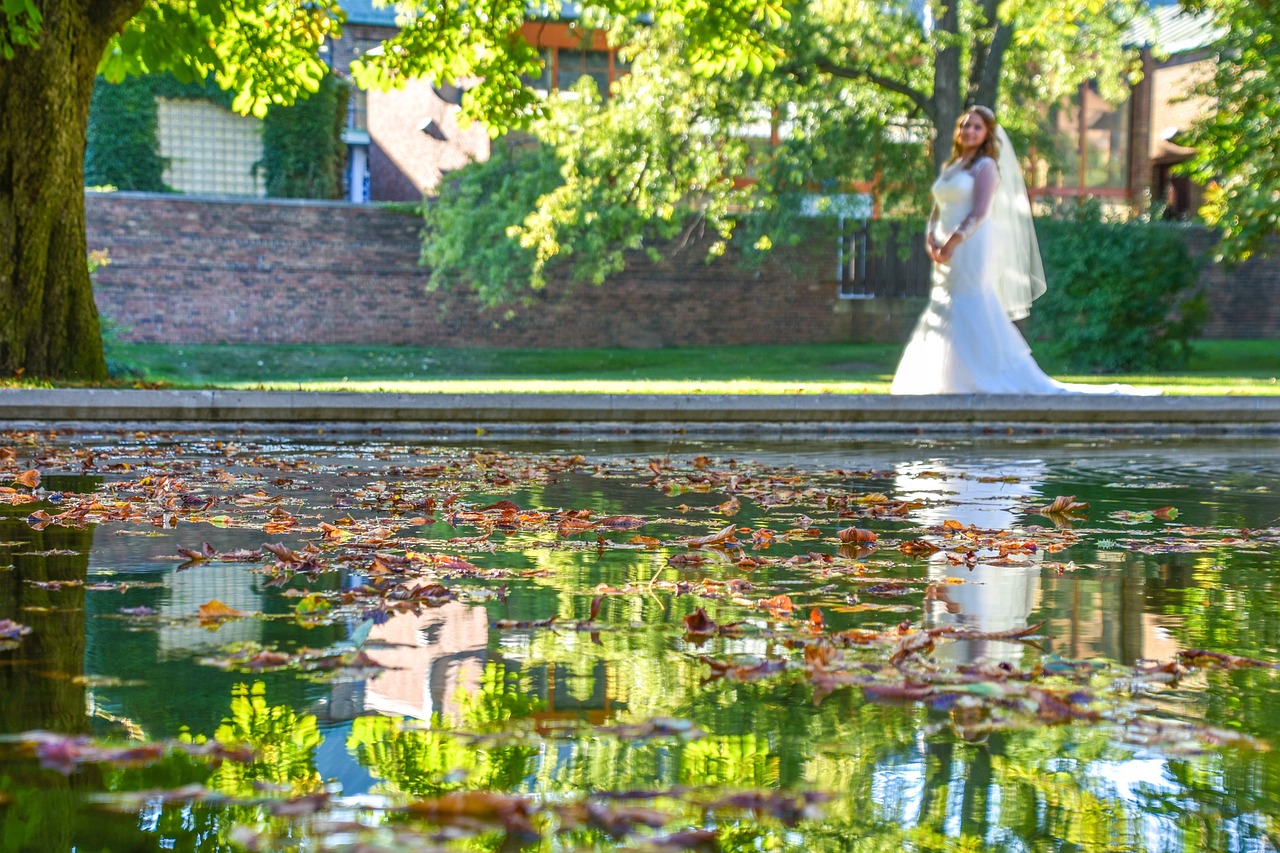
pixel 986 272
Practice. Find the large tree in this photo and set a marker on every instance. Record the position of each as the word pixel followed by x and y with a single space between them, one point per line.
pixel 267 51
pixel 854 92
pixel 50 52
pixel 1237 141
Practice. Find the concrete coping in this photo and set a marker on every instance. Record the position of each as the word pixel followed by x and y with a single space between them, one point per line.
pixel 812 412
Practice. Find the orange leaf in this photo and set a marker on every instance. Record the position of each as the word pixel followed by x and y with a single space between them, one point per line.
pixel 781 603
pixel 30 479
pixel 699 623
pixel 215 611
pixel 729 507
pixel 621 522
pixel 857 534
pixel 917 548
pixel 570 526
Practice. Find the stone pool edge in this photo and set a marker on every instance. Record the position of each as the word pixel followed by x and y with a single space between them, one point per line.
pixel 821 413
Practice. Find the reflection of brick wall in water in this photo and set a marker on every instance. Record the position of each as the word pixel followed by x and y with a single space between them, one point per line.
pixel 186 270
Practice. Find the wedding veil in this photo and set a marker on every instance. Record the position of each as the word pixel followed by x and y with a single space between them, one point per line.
pixel 1020 277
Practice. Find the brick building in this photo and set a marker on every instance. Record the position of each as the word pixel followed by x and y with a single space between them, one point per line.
pixel 1124 153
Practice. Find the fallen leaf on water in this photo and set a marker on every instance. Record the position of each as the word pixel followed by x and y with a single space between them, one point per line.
pixel 857 534
pixel 214 613
pixel 956 633
pixel 778 604
pixel 621 522
pixel 1204 657
pixel 11 634
pixel 917 548
pixel 479 811
pixel 698 623
pixel 718 538
pixel 29 479
pixel 616 821
pixel 1064 505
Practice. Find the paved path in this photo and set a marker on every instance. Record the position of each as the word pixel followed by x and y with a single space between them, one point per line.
pixel 647 412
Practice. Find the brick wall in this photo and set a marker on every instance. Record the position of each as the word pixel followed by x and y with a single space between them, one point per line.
pixel 1244 300
pixel 208 270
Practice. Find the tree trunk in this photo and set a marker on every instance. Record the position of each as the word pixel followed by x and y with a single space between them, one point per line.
pixel 48 320
pixel 946 101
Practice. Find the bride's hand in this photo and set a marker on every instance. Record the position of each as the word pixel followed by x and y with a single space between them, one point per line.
pixel 943 253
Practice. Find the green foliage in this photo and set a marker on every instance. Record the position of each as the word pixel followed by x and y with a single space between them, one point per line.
pixel 466 241
pixel 481 42
pixel 829 97
pixel 1237 140
pixel 20 23
pixel 284 741
pixel 302 149
pixel 1121 295
pixel 122 149
pixel 264 53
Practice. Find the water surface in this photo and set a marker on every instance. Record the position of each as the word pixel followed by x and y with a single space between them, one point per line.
pixel 564 666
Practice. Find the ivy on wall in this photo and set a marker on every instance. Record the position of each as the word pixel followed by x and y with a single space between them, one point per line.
pixel 123 148
pixel 303 155
pixel 303 152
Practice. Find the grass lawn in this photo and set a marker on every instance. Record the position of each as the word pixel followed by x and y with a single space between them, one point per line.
pixel 1217 367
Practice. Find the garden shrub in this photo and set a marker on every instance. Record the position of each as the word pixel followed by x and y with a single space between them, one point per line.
pixel 1122 296
pixel 466 244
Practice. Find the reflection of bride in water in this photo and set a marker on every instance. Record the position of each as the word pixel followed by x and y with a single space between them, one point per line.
pixel 991 598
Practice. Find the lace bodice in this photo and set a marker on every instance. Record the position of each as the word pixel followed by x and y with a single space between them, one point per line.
pixel 962 198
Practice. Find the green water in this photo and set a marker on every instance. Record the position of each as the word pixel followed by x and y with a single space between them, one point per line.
pixel 613 730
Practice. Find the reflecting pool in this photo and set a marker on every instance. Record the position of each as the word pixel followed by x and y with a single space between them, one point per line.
pixel 338 642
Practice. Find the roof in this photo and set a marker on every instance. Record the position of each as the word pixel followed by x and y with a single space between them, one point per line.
pixel 370 12
pixel 1172 30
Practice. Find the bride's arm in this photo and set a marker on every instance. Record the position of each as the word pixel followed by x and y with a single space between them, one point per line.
pixel 930 242
pixel 985 180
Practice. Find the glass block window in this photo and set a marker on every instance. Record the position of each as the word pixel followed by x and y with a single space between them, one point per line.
pixel 210 150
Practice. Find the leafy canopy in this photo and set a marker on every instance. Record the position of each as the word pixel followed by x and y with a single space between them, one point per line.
pixel 265 52
pixel 1238 141
pixel 823 96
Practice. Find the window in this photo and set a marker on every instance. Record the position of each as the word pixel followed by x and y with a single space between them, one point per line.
pixel 210 150
pixel 1089 147
pixel 563 67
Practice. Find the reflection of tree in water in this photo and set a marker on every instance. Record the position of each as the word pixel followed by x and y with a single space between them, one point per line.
pixel 41 684
pixel 419 762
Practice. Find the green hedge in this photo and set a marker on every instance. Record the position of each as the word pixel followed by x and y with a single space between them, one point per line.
pixel 1122 296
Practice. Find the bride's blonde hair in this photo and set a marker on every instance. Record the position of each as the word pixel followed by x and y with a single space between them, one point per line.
pixel 989 147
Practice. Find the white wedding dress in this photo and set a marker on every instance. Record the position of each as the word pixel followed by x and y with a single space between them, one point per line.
pixel 965 342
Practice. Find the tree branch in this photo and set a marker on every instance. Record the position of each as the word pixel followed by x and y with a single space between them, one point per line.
pixel 981 46
pixel 108 16
pixel 985 89
pixel 920 99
